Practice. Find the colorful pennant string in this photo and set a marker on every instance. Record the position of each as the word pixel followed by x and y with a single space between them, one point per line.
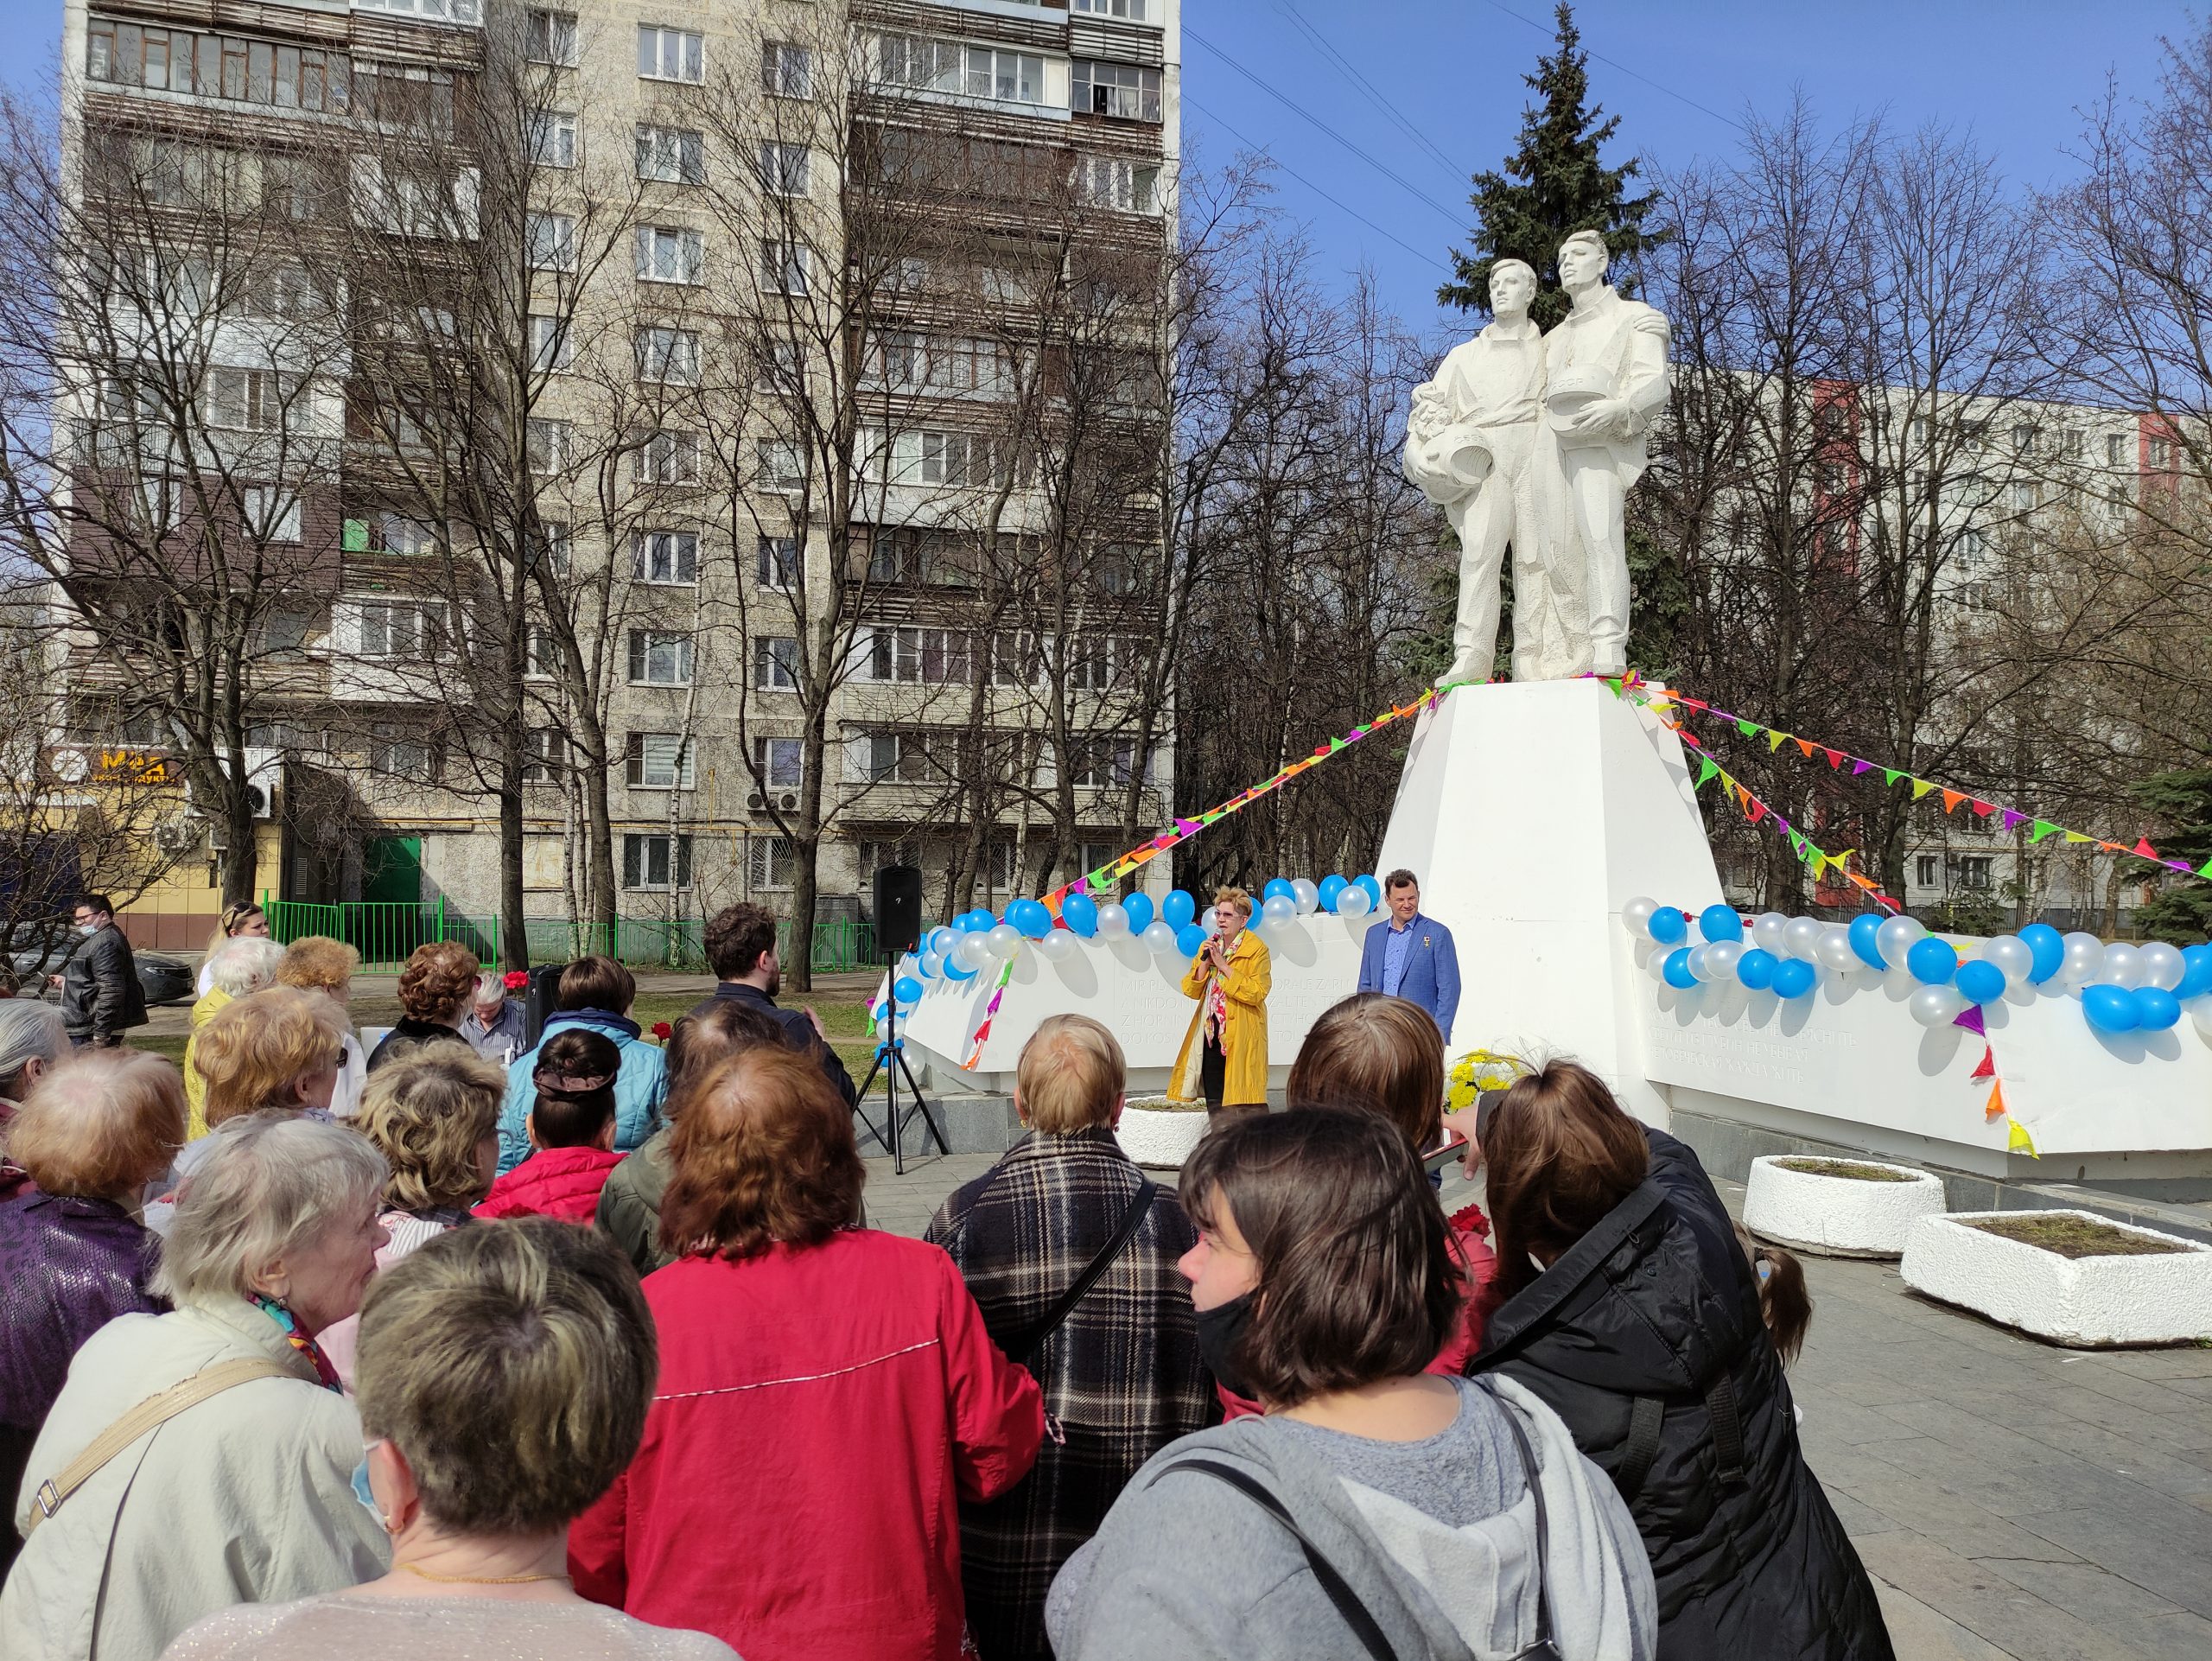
pixel 990 1010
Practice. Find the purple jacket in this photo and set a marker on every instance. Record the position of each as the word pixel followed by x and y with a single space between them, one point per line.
pixel 67 1267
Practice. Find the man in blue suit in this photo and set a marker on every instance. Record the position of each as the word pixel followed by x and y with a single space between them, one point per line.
pixel 1412 957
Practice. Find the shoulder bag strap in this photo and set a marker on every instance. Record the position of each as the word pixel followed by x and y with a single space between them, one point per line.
pixel 1727 1425
pixel 1020 1346
pixel 148 1416
pixel 1542 1649
pixel 1645 1417
pixel 1348 1605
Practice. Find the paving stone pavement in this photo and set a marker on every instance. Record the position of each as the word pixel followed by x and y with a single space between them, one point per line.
pixel 2011 1499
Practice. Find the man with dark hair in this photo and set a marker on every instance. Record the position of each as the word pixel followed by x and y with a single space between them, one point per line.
pixel 100 993
pixel 1412 957
pixel 740 941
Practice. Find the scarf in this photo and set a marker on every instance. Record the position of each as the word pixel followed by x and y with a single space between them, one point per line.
pixel 325 1373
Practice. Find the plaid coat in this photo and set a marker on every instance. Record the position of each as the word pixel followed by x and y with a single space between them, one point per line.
pixel 1122 1377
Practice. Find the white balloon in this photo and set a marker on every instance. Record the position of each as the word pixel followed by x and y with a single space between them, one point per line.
pixel 2123 966
pixel 2014 957
pixel 1897 936
pixel 1308 896
pixel 1004 942
pixel 1655 965
pixel 1280 909
pixel 1936 1006
pixel 2200 1016
pixel 1159 937
pixel 974 951
pixel 1834 949
pixel 1767 931
pixel 1801 937
pixel 1722 958
pixel 1353 902
pixel 932 964
pixel 1636 914
pixel 1057 945
pixel 2161 965
pixel 1699 964
pixel 1113 921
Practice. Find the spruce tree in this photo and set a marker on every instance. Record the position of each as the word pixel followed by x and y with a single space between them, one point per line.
pixel 2182 801
pixel 1554 184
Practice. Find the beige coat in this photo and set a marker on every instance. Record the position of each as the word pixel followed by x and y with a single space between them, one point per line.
pixel 247 1497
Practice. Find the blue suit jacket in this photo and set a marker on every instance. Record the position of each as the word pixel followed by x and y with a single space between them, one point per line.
pixel 1431 979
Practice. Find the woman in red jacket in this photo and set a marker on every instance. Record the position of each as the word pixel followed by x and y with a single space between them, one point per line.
pixel 827 1397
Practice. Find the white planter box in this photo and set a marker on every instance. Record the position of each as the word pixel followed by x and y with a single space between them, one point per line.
pixel 1838 1216
pixel 2088 1302
pixel 1152 1136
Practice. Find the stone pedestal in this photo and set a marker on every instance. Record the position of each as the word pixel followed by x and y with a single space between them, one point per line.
pixel 1531 812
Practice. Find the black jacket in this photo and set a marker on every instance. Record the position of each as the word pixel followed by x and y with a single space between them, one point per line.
pixel 100 993
pixel 796 1023
pixel 1657 1304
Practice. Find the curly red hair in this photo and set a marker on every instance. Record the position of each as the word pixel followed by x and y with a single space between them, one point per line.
pixel 437 980
pixel 762 1152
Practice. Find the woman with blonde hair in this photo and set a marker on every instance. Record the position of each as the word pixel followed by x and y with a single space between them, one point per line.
pixel 237 967
pixel 277 1050
pixel 316 962
pixel 1224 1054
pixel 73 1253
pixel 434 989
pixel 241 920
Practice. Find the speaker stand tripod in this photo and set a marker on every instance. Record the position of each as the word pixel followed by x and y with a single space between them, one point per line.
pixel 891 1054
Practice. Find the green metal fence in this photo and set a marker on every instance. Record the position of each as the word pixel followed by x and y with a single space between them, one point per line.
pixel 385 935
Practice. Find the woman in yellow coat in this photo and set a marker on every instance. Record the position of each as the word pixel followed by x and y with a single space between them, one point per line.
pixel 1224 1054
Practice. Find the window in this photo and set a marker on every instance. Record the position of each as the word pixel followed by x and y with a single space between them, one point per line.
pixel 552 136
pixel 925 657
pixel 278 288
pixel 1094 763
pixel 659 762
pixel 906 360
pixel 397 534
pixel 550 36
pixel 545 751
pixel 667 458
pixel 781 762
pixel 779 464
pixel 271 514
pixel 650 862
pixel 784 266
pixel 666 556
pixel 457 12
pixel 770 862
pixel 909 556
pixel 669 354
pixel 250 400
pixel 784 170
pixel 671 55
pixel 1118 568
pixel 2115 449
pixel 413 631
pixel 1926 870
pixel 668 253
pixel 955 459
pixel 549 342
pixel 1112 182
pixel 215 66
pixel 775 664
pixel 547 444
pixel 285 627
pixel 407 97
pixel 778 365
pixel 541 653
pixel 890 758
pixel 672 156
pixel 658 659
pixel 1094 662
pixel 1137 11
pixel 983 72
pixel 2160 453
pixel 2024 496
pixel 781 563
pixel 399 753
pixel 552 242
pixel 1974 872
pixel 1123 90
pixel 786 71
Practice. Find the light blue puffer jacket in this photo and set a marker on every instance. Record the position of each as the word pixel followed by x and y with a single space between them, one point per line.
pixel 638 1088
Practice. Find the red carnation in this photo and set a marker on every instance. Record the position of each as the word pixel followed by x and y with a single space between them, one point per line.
pixel 1468 1219
pixel 515 979
pixel 661 1030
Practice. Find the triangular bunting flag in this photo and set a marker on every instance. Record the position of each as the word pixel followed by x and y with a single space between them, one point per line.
pixel 1970 1018
pixel 1758 809
pixel 1774 740
pixel 1707 767
pixel 1859 767
pixel 2111 847
pixel 2041 828
pixel 1836 758
pixel 1185 826
pixel 2075 836
pixel 1748 728
pixel 2019 1142
pixel 1987 1067
pixel 2205 869
pixel 1891 775
pixel 1920 787
pixel 2014 821
pixel 2142 847
pixel 1994 1107
pixel 1983 810
pixel 1952 798
pixel 2175 864
pixel 1805 745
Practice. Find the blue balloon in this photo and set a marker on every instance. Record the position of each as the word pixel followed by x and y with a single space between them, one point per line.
pixel 907 988
pixel 1980 982
pixel 1678 968
pixel 2196 972
pixel 1720 923
pixel 1793 977
pixel 974 922
pixel 1080 912
pixel 1032 917
pixel 1756 968
pixel 2156 1009
pixel 1178 910
pixel 1932 962
pixel 956 970
pixel 1864 928
pixel 1189 939
pixel 1374 887
pixel 2110 1009
pixel 1668 925
pixel 1139 908
pixel 1332 888
pixel 2048 946
pixel 1280 885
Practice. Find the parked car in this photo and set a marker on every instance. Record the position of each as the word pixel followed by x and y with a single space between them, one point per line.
pixel 163 979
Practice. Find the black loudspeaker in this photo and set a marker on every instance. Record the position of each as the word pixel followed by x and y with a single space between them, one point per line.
pixel 897 908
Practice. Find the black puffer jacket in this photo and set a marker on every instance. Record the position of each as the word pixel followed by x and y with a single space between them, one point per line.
pixel 1647 1339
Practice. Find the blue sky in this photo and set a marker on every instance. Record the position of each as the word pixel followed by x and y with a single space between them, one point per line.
pixel 2013 72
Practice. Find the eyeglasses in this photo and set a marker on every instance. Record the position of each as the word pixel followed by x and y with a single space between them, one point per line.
pixel 338 1062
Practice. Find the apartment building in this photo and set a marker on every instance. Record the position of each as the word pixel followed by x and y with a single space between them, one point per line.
pixel 803 363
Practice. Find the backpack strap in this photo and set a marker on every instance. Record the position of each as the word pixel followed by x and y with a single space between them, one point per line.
pixel 1020 1346
pixel 1349 1607
pixel 1727 1426
pixel 1542 1649
pixel 1645 1417
pixel 148 1416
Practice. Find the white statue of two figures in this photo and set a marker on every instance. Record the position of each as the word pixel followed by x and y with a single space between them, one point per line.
pixel 1532 440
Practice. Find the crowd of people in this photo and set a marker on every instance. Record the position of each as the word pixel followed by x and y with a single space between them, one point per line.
pixel 568 1343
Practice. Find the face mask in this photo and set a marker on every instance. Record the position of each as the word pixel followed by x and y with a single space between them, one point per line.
pixel 363 1492
pixel 1220 1330
pixel 88 928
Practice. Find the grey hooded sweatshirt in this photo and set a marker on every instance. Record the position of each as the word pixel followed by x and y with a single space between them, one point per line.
pixel 1185 1566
